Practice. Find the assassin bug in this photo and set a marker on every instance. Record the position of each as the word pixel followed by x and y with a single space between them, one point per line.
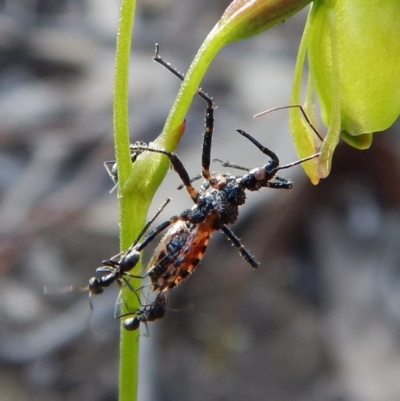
pixel 188 234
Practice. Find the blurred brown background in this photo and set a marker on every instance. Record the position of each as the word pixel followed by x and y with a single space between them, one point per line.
pixel 319 320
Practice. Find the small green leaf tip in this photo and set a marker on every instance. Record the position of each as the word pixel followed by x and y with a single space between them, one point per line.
pixel 245 18
pixel 353 51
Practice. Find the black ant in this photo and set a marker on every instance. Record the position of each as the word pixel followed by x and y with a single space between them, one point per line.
pixel 113 170
pixel 118 267
pixel 186 240
pixel 147 313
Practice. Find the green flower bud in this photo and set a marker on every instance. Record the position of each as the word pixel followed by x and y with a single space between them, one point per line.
pixel 354 61
pixel 244 18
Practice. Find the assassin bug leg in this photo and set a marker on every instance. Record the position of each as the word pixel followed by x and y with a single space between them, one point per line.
pixel 231 165
pixel 209 126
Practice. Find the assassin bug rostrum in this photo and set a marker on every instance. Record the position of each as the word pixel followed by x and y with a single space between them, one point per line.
pixel 216 205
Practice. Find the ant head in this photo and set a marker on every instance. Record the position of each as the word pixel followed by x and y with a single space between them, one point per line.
pixel 131 324
pixel 114 173
pixel 94 286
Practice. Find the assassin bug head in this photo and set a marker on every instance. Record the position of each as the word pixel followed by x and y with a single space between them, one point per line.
pixel 265 176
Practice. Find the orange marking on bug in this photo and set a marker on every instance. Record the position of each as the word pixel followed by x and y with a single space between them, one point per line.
pixel 193 251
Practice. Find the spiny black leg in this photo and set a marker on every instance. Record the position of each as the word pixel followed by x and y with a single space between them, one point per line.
pixel 279 184
pixel 149 223
pixel 193 179
pixel 178 167
pixel 231 165
pixel 157 58
pixel 209 125
pixel 207 141
pixel 243 251
pixel 156 232
pixel 266 151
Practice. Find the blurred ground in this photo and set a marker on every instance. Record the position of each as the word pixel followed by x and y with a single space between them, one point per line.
pixel 319 320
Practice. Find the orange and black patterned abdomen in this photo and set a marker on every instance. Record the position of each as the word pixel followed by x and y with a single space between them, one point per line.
pixel 173 267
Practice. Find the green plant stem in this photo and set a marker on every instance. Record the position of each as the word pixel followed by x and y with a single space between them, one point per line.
pixel 138 183
pixel 129 347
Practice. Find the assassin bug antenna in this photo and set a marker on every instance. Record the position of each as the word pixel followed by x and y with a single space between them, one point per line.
pixel 292 106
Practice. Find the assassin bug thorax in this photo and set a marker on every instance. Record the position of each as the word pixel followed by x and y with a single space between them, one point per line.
pixel 216 205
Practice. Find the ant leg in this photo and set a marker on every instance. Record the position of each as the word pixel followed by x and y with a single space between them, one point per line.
pixel 243 251
pixel 178 167
pixel 121 301
pixel 111 171
pixel 266 151
pixel 209 126
pixel 292 106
